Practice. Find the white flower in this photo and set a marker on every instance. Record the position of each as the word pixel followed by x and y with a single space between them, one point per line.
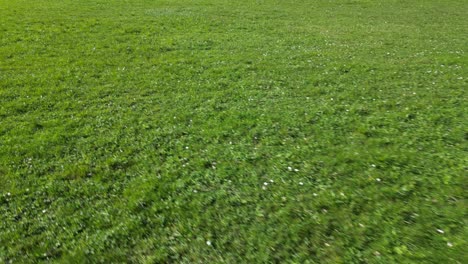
pixel 440 231
pixel 301 183
pixel 265 183
pixel 289 168
pixel 208 243
pixel 449 244
pixel 378 179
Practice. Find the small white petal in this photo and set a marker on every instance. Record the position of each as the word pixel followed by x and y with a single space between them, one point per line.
pixel 208 243
pixel 440 231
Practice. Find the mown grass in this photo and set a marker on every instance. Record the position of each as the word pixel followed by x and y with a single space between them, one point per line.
pixel 233 131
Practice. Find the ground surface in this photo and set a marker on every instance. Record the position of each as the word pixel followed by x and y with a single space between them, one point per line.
pixel 233 131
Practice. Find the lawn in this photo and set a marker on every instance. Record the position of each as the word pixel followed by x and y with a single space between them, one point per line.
pixel 247 131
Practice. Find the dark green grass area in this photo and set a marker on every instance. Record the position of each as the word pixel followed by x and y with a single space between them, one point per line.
pixel 242 131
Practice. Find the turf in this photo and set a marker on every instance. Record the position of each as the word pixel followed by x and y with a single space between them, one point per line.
pixel 218 131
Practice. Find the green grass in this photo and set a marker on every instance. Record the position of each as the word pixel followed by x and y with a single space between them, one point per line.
pixel 285 131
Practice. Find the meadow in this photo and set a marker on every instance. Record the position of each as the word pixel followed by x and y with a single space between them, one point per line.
pixel 247 131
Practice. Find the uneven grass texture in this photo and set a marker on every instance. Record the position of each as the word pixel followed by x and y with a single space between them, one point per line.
pixel 244 131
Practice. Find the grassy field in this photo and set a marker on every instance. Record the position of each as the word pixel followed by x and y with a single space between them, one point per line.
pixel 244 131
